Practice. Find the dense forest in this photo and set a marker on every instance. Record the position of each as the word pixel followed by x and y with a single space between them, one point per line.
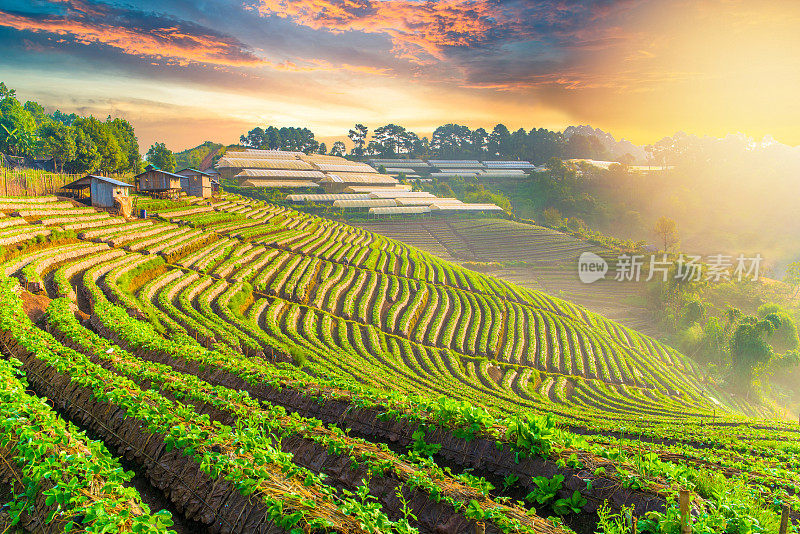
pixel 75 144
pixel 193 158
pixel 454 141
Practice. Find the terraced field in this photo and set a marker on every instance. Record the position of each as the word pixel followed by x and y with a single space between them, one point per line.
pixel 541 258
pixel 263 370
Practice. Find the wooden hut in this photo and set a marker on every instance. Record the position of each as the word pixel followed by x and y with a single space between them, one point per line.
pixel 159 183
pixel 215 178
pixel 102 190
pixel 195 183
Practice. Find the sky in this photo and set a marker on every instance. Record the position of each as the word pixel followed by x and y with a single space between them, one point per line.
pixel 186 71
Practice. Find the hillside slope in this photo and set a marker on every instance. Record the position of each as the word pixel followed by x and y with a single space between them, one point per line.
pixel 533 257
pixel 174 332
pixel 322 286
pixel 198 157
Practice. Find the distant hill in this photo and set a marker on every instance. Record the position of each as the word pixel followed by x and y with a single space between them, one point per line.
pixel 194 157
pixel 616 149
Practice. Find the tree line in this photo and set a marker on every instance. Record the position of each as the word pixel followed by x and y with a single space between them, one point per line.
pixel 449 141
pixel 76 144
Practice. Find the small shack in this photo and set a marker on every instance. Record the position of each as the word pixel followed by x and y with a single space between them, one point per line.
pixel 195 183
pixel 103 191
pixel 159 183
pixel 215 178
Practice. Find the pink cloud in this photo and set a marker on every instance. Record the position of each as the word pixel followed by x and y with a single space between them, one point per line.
pixel 168 43
pixel 416 28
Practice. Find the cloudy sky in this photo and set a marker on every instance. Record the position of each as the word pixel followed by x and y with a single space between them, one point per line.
pixel 186 71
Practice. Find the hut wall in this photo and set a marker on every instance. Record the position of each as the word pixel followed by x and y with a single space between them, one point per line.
pixel 157 181
pixel 198 186
pixel 102 194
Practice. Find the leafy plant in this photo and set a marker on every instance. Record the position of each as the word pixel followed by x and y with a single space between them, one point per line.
pixel 572 505
pixel 546 489
pixel 531 434
pixel 419 445
pixel 509 482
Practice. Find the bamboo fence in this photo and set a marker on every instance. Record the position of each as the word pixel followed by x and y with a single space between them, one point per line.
pixel 32 182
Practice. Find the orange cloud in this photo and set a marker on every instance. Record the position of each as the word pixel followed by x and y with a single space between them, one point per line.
pixel 170 43
pixel 416 28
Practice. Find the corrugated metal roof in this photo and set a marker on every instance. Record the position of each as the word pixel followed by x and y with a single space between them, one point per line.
pixel 349 167
pixel 425 201
pixel 82 183
pixel 154 169
pixel 508 164
pixel 400 210
pixel 397 170
pixel 459 168
pixel 399 193
pixel 363 203
pixel 324 158
pixel 325 198
pixel 258 153
pixel 112 181
pixel 193 170
pixel 369 175
pixel 398 162
pixel 376 187
pixel 263 163
pixel 278 184
pixel 280 173
pixel 358 178
pixel 465 207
